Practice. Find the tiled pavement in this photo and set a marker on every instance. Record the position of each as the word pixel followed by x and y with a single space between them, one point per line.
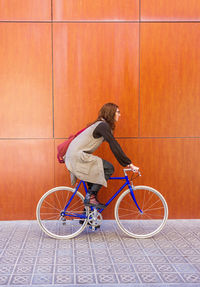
pixel 105 257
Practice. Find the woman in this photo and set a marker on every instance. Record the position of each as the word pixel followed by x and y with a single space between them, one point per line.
pixel 83 165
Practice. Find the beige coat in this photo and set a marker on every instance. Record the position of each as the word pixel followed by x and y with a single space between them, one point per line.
pixel 80 161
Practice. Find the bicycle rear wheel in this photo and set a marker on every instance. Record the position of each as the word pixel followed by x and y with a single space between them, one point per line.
pixel 51 216
pixel 153 217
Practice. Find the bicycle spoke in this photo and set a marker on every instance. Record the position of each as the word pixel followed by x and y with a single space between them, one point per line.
pixel 51 206
pixel 153 204
pixel 58 201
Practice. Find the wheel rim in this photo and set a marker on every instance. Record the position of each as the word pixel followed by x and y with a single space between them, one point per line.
pixel 147 224
pixel 51 217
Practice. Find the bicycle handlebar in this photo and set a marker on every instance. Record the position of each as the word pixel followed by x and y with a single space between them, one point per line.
pixel 129 169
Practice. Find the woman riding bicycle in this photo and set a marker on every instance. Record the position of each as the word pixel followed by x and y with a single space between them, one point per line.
pixel 83 165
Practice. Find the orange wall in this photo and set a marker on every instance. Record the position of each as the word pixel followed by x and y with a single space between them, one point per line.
pixel 61 60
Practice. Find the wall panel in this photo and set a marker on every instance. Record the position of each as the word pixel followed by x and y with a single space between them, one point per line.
pixel 26 80
pixel 170 10
pixel 169 165
pixel 27 172
pixel 169 79
pixel 95 64
pixel 96 10
pixel 25 10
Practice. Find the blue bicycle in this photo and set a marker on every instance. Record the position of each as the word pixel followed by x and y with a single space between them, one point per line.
pixel 140 211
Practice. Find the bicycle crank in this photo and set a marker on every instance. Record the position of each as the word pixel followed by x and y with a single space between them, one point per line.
pixel 94 219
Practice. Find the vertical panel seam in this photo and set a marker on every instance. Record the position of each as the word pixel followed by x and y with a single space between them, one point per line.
pixel 53 110
pixel 52 70
pixel 139 70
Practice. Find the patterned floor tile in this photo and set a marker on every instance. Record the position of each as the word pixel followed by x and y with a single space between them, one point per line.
pixel 42 279
pixel 14 245
pixel 197 266
pixel 83 245
pixel 84 268
pixel 31 245
pixel 20 280
pixel 149 278
pixel 115 245
pixel 64 260
pixel 101 260
pixel 83 260
pixel 64 268
pixel 153 251
pixel 120 259
pixel 124 268
pixel 134 251
pixel 171 277
pixel 107 278
pixel 139 259
pixel 98 245
pixel 102 252
pixel 164 268
pixel 64 244
pixel 185 268
pixel 29 252
pixel 48 244
pixel 191 277
pixel 85 279
pixel 189 251
pixel 6 269
pixel 144 268
pixel 45 260
pixel 177 259
pixel 129 242
pixel 4 279
pixel 11 252
pixel 128 278
pixel 193 259
pixel 82 252
pixel 104 268
pixel 49 252
pixel 23 269
pixel 63 279
pixel 170 251
pixel 117 252
pixel 41 269
pixel 8 260
pixel 26 260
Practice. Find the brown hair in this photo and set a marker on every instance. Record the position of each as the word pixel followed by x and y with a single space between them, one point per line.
pixel 107 112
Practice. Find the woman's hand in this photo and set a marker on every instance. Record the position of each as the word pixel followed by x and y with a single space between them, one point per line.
pixel 133 167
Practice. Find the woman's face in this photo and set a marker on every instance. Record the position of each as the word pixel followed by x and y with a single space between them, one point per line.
pixel 117 115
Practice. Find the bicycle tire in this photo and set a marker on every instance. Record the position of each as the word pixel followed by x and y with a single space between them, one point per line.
pixel 49 208
pixel 153 218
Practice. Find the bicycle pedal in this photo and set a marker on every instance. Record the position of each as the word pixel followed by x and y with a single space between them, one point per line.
pixel 94 227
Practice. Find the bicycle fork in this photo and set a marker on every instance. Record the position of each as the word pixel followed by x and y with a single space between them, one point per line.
pixel 131 188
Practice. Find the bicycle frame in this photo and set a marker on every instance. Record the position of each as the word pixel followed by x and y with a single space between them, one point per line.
pixel 127 183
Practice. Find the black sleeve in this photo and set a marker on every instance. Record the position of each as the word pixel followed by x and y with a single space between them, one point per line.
pixel 103 130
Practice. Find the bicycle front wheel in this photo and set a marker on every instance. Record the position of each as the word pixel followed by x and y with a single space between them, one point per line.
pixel 56 222
pixel 143 224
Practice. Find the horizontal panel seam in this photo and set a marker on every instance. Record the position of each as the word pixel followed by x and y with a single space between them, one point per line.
pixel 198 137
pixel 99 21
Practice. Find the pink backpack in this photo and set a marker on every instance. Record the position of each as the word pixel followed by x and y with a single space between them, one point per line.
pixel 62 148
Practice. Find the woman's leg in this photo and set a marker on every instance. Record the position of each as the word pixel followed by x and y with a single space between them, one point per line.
pixel 93 188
